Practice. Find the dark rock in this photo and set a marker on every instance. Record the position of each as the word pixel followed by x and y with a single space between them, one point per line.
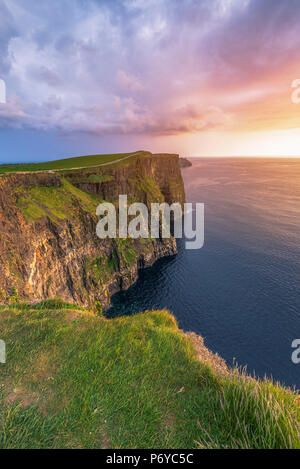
pixel 184 163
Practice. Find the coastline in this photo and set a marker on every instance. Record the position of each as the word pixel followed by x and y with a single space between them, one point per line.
pixel 49 247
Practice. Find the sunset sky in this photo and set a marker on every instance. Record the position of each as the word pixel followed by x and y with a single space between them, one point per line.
pixel 196 77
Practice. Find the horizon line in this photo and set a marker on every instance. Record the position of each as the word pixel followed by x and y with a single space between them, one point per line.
pixel 243 156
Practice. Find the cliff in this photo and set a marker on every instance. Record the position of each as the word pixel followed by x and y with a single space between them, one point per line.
pixel 48 242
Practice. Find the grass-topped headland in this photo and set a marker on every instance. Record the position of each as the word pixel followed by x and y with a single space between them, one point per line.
pixel 48 241
pixel 75 380
pixel 58 196
pixel 77 162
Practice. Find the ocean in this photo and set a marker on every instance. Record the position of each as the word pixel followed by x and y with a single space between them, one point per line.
pixel 241 291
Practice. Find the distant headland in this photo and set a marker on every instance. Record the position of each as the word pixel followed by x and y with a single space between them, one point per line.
pixel 184 163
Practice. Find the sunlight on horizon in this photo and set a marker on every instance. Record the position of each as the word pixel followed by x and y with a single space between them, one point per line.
pixel 279 143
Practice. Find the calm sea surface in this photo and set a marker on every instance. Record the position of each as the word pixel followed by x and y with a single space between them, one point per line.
pixel 241 292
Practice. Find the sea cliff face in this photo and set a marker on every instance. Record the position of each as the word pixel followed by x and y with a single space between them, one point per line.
pixel 48 242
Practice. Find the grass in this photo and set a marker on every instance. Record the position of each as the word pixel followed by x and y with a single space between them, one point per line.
pixel 99 178
pixel 66 163
pixel 59 203
pixel 147 186
pixel 101 268
pixel 125 254
pixel 127 250
pixel 73 380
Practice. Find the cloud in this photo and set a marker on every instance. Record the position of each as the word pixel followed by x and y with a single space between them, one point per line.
pixel 127 81
pixel 13 116
pixel 136 66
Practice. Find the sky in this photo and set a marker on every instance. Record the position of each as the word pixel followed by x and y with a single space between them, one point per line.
pixel 195 77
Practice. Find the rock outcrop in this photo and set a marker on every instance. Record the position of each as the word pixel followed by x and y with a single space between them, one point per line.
pixel 184 163
pixel 48 242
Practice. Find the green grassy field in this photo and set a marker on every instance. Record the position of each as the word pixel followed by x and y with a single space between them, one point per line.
pixel 74 380
pixel 67 163
pixel 55 202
